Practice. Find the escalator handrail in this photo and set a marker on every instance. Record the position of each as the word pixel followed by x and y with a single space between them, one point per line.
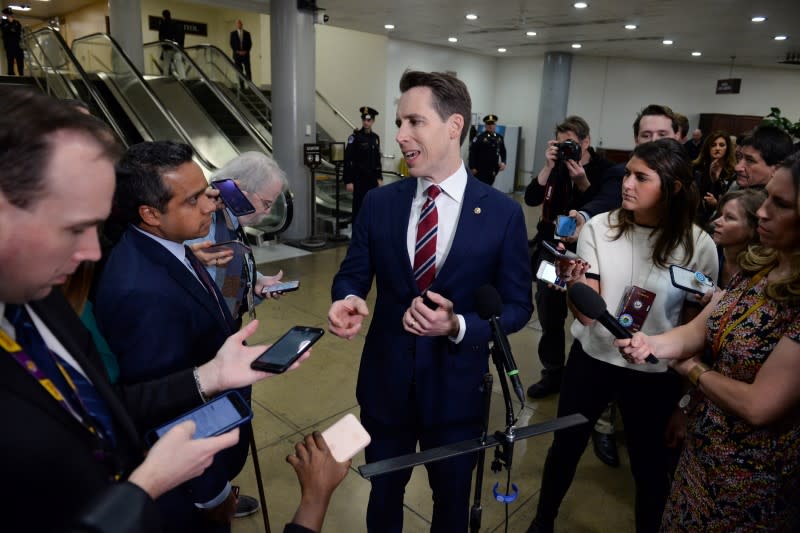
pixel 335 109
pixel 66 83
pixel 98 100
pixel 151 93
pixel 242 78
pixel 230 106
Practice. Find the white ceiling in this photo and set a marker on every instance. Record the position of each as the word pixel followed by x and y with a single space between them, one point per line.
pixel 717 28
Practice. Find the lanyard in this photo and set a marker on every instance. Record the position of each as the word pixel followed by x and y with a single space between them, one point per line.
pixel 15 350
pixel 724 327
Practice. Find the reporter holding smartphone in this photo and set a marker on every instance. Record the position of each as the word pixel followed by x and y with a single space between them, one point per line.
pixel 262 181
pixel 631 247
pixel 571 176
pixel 740 468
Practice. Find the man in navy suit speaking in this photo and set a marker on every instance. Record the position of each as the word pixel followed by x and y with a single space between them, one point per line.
pixel 446 233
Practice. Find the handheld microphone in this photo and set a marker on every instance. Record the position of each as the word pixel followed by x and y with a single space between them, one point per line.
pixel 591 304
pixel 489 307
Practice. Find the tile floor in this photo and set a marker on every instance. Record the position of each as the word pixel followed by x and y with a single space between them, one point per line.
pixel 313 397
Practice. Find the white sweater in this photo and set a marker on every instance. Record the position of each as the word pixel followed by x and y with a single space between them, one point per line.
pixel 628 261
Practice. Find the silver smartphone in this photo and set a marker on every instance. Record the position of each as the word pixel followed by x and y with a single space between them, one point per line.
pixel 689 280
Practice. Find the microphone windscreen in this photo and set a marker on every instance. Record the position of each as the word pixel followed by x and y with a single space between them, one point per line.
pixel 488 302
pixel 587 300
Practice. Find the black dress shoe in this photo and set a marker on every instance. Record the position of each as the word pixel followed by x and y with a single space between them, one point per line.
pixel 545 387
pixel 605 448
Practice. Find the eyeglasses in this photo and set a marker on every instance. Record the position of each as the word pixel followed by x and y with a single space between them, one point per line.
pixel 266 203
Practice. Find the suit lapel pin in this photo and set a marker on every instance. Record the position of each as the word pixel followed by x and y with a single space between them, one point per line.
pixel 477 210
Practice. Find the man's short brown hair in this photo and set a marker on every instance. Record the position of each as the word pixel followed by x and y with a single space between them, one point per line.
pixel 450 95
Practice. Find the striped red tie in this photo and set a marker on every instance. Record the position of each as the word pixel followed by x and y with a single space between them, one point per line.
pixel 425 249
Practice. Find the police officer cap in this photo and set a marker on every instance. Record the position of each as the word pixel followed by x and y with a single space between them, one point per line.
pixel 367 112
pixel 7 11
pixel 490 119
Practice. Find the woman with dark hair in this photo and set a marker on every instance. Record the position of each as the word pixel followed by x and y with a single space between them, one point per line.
pixel 628 251
pixel 735 228
pixel 740 468
pixel 714 172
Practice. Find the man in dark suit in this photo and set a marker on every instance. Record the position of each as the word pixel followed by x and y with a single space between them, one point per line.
pixel 159 309
pixel 72 442
pixel 421 369
pixel 241 45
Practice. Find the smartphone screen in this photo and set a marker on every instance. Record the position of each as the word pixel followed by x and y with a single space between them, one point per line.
pixel 565 226
pixel 216 417
pixel 286 350
pixel 689 280
pixel 547 273
pixel 233 197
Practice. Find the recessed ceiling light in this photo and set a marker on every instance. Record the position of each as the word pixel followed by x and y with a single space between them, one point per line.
pixel 758 18
pixel 576 45
pixel 472 16
pixel 667 42
pixel 630 26
pixel 530 33
pixel 20 7
pixel 780 37
pixel 502 50
pixel 697 54
pixel 452 39
pixel 389 26
pixel 580 5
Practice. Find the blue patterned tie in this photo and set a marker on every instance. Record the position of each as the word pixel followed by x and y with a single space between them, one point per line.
pixel 32 342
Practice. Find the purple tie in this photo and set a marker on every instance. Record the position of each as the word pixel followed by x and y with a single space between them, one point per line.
pixel 425 249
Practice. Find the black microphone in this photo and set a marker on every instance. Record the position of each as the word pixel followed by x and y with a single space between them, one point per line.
pixel 591 304
pixel 490 307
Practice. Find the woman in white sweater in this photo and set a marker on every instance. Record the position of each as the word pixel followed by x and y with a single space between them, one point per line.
pixel 631 247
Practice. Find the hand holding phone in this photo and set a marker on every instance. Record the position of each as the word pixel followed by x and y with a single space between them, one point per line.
pixel 288 349
pixel 280 288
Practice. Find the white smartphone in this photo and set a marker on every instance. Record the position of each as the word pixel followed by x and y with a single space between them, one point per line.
pixel 547 273
pixel 689 280
pixel 346 438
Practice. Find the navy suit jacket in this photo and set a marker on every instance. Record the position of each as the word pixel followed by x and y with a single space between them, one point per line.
pixel 245 45
pixel 158 319
pixel 490 246
pixel 46 452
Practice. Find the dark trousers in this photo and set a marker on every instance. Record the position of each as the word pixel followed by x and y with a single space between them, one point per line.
pixel 450 480
pixel 15 55
pixel 646 402
pixel 243 64
pixel 551 309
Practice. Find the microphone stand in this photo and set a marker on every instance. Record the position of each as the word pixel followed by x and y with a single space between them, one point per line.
pixel 505 440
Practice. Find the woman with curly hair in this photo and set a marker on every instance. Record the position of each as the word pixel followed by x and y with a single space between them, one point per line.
pixel 740 469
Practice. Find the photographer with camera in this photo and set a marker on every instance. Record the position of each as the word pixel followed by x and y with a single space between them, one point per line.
pixel 571 176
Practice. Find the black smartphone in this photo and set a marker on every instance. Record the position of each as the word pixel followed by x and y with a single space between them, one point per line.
pixel 566 254
pixel 689 280
pixel 286 350
pixel 226 245
pixel 216 417
pixel 233 197
pixel 285 286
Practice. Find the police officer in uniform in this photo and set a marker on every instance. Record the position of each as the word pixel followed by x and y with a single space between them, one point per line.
pixel 362 159
pixel 487 152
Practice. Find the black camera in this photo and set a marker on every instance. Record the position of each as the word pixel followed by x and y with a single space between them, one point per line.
pixel 568 149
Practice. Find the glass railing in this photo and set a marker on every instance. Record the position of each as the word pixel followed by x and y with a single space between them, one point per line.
pixel 99 54
pixel 157 58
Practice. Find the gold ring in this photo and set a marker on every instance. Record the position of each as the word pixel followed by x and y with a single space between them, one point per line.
pixel 413 323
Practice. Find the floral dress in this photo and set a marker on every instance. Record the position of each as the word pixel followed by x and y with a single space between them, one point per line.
pixel 733 476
